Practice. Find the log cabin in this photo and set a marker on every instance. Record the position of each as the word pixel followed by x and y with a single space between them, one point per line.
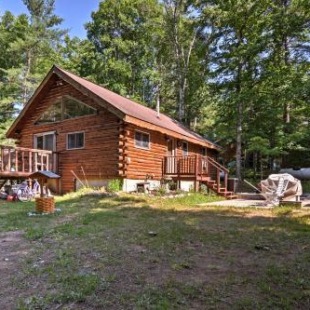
pixel 89 135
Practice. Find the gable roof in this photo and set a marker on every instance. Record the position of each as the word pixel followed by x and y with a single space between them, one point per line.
pixel 124 108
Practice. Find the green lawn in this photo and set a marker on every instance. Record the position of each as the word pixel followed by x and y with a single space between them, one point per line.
pixel 137 252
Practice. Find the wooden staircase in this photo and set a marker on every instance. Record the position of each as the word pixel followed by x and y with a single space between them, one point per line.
pixel 219 189
pixel 202 169
pixel 217 179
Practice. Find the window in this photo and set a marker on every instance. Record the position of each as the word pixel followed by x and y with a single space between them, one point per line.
pixel 75 140
pixel 45 141
pixel 184 148
pixel 65 108
pixel 203 151
pixel 142 140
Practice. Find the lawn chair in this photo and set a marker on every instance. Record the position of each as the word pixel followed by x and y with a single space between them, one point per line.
pixel 274 187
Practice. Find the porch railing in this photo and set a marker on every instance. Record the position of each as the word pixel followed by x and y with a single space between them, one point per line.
pixel 19 160
pixel 196 166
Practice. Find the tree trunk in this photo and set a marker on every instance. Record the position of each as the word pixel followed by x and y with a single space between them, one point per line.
pixel 239 142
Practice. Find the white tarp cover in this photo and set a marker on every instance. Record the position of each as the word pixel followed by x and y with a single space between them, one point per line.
pixel 281 187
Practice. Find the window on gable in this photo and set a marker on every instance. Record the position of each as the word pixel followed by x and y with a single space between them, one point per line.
pixel 142 140
pixel 75 140
pixel 65 108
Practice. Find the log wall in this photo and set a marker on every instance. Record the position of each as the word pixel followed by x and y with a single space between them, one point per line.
pixel 109 150
pixel 99 157
pixel 140 163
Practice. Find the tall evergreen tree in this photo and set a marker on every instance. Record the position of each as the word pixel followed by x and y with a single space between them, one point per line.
pixel 29 47
pixel 125 35
pixel 239 41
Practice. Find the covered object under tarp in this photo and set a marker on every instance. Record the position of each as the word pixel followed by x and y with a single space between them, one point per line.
pixel 279 187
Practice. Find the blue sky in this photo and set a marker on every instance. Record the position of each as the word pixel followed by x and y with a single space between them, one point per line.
pixel 74 12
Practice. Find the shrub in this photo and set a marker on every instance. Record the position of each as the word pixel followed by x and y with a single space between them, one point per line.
pixel 114 185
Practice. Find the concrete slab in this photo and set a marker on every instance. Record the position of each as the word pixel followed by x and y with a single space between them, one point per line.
pixel 240 203
pixel 247 203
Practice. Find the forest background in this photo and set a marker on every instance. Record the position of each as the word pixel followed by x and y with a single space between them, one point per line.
pixel 236 71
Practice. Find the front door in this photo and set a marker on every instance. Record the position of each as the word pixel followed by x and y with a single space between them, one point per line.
pixel 171 160
pixel 45 141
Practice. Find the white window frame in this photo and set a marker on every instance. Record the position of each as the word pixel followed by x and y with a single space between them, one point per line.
pixel 73 133
pixel 141 146
pixel 42 134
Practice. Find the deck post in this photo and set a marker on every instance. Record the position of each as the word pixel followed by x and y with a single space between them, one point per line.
pixel 47 162
pixel 9 160
pixel 196 174
pixel 226 180
pixel 218 180
pixel 35 162
pixel 30 161
pixel 19 162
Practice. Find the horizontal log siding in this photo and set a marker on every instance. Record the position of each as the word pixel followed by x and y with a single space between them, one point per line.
pixel 139 162
pixel 144 162
pixel 99 157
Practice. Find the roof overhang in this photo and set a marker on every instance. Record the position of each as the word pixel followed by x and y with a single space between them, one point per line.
pixel 143 124
pixel 12 132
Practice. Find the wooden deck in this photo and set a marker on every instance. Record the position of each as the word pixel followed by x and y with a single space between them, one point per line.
pixel 18 162
pixel 201 169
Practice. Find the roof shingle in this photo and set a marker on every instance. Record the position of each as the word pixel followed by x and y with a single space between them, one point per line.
pixel 136 110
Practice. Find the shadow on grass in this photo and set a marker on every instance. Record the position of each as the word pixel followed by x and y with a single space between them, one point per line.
pixel 139 253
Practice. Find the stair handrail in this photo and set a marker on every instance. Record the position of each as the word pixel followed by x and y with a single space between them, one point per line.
pixel 219 168
pixel 216 164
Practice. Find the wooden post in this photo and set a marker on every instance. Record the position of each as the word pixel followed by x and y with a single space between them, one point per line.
pixel 9 159
pixel 226 180
pixel 16 160
pixel 218 179
pixel 30 161
pixel 35 161
pixel 47 161
pixel 196 174
pixel 23 161
pixel 42 161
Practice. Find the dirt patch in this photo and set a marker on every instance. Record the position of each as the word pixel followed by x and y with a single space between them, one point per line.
pixel 14 248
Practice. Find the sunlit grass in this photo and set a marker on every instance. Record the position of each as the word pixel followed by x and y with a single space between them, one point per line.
pixel 143 252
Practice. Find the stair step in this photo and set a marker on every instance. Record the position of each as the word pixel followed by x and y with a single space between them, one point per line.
pixel 230 195
pixel 220 190
pixel 204 179
pixel 210 182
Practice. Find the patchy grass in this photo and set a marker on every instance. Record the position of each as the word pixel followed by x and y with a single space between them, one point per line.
pixel 140 252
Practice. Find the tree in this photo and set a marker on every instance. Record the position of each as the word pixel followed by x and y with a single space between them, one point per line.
pixel 39 49
pixel 125 35
pixel 238 41
pixel 184 45
pixel 28 49
pixel 286 69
